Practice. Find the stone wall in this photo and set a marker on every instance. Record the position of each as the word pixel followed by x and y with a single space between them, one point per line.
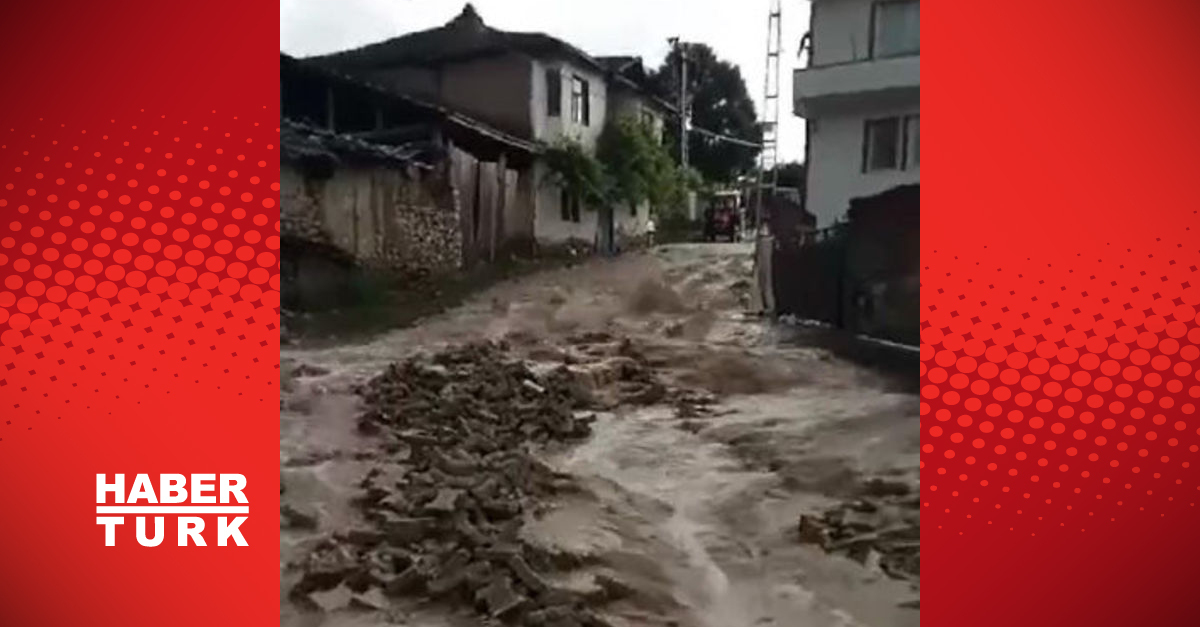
pixel 398 219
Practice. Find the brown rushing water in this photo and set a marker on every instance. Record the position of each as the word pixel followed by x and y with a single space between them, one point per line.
pixel 698 514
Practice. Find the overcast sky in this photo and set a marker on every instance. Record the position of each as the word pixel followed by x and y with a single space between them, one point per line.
pixel 736 30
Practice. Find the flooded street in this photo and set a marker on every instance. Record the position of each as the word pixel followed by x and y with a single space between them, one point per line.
pixel 687 492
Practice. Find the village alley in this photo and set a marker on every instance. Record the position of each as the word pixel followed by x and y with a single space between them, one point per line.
pixel 714 470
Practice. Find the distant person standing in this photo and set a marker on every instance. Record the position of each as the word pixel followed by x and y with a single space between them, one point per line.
pixel 650 232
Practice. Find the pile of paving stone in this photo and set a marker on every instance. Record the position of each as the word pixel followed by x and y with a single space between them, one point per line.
pixel 445 511
pixel 476 398
pixel 881 529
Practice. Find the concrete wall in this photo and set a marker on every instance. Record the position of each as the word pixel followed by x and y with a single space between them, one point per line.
pixel 402 221
pixel 835 170
pixel 419 82
pixel 853 94
pixel 631 227
pixel 551 229
pixel 549 226
pixel 491 89
pixel 841 31
pixel 818 90
pixel 549 129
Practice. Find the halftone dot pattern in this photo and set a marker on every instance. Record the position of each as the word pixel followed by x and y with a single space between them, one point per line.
pixel 125 269
pixel 1058 399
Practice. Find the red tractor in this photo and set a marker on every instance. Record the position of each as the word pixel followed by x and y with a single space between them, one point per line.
pixel 722 219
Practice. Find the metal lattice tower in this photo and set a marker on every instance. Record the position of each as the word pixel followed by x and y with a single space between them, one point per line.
pixel 768 175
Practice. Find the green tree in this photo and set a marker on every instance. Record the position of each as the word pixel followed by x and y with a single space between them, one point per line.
pixel 622 151
pixel 638 167
pixel 720 103
pixel 632 166
pixel 791 174
pixel 572 169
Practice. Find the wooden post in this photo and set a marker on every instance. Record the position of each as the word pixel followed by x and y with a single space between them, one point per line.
pixel 498 205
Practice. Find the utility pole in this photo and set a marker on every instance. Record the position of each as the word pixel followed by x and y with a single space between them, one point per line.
pixel 768 157
pixel 681 48
pixel 767 160
pixel 683 106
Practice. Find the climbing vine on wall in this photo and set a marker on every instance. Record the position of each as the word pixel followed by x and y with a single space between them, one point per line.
pixel 573 170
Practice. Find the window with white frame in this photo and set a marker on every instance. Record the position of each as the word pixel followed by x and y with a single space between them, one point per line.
pixel 580 113
pixel 897 28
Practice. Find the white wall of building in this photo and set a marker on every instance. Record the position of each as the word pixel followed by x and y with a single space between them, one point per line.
pixel 836 154
pixel 841 31
pixel 549 129
pixel 840 100
pixel 550 227
pixel 549 224
pixel 629 224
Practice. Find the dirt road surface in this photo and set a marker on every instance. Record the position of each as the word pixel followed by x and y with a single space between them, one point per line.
pixel 691 510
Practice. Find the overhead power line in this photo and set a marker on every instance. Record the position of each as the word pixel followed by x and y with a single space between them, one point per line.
pixel 725 138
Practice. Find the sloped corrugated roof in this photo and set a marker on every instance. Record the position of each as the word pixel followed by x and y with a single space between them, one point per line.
pixel 455 118
pixel 300 141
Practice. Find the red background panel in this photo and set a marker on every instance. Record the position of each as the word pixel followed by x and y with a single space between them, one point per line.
pixel 1058 245
pixel 1059 318
pixel 138 301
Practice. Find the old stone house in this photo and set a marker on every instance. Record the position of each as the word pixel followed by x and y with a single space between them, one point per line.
pixel 348 204
pixel 531 85
pixel 371 179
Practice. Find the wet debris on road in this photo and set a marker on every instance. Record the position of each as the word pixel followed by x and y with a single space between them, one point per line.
pixel 654 296
pixel 291 517
pixel 881 529
pixel 445 510
pixel 303 370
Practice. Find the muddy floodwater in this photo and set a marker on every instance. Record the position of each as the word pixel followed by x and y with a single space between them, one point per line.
pixel 686 493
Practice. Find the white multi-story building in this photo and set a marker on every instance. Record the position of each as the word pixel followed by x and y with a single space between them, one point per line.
pixel 861 97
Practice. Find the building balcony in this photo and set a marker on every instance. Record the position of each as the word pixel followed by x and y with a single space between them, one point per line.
pixel 866 82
